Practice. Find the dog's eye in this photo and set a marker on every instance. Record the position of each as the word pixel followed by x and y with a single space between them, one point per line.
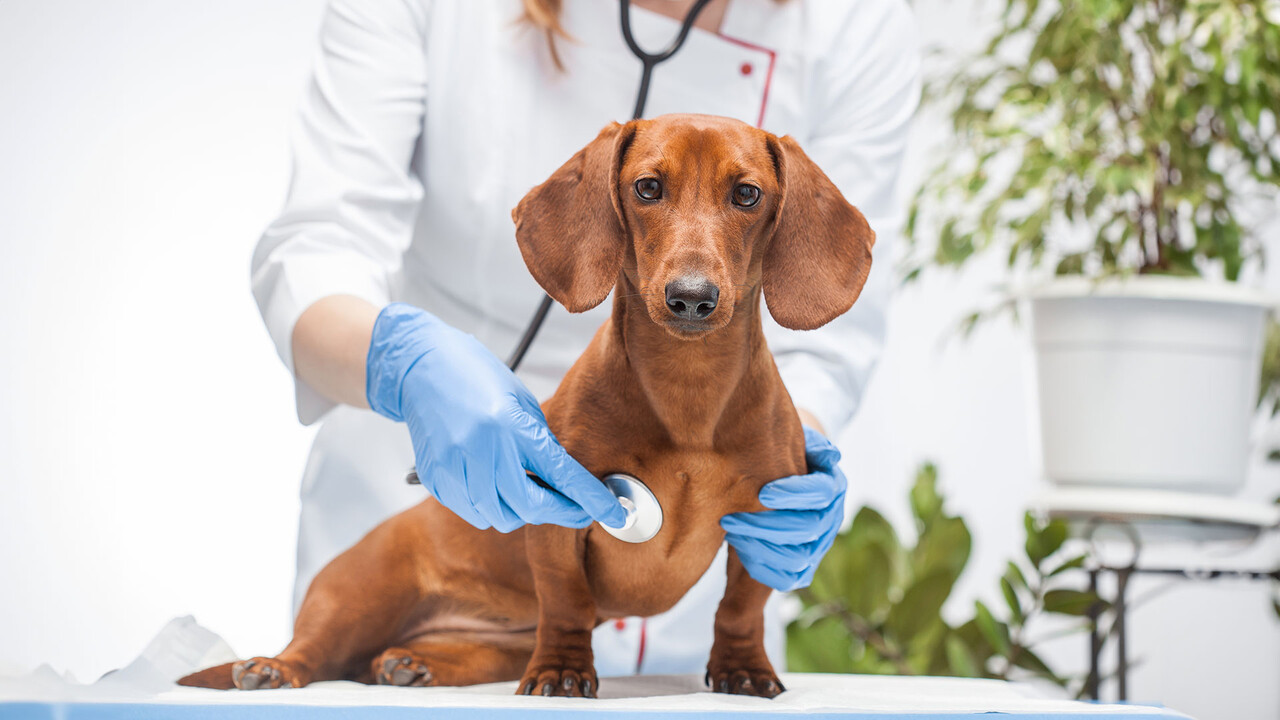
pixel 746 195
pixel 648 189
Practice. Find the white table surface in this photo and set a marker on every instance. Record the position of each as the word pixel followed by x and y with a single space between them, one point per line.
pixel 674 696
pixel 145 689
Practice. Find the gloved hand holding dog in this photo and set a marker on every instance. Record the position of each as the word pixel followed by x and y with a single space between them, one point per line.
pixel 781 547
pixel 476 429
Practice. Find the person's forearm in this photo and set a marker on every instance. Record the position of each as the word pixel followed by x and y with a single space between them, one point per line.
pixel 330 346
pixel 809 419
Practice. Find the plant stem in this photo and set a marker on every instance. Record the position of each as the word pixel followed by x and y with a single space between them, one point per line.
pixel 1157 206
pixel 859 627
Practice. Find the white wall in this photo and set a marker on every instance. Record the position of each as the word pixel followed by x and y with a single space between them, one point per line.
pixel 149 455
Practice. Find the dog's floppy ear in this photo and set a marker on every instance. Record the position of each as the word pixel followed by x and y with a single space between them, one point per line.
pixel 820 253
pixel 570 227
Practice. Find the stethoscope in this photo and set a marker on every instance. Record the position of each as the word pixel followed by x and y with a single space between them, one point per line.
pixel 644 513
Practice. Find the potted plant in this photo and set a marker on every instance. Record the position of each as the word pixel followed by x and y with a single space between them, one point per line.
pixel 1114 149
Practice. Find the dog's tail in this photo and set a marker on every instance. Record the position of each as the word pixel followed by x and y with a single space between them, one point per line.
pixel 217 677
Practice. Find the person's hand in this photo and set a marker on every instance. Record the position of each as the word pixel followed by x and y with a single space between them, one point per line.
pixel 782 546
pixel 476 429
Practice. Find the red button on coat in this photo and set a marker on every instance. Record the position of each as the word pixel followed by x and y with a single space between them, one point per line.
pixel 745 69
pixel 620 624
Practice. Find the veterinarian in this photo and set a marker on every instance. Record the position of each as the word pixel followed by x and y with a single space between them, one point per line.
pixel 423 125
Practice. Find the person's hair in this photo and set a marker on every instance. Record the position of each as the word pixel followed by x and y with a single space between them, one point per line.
pixel 545 16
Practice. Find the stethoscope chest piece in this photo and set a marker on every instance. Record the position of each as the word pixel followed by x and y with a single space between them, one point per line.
pixel 644 514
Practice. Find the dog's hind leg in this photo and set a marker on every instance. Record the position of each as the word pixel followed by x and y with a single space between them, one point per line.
pixel 454 659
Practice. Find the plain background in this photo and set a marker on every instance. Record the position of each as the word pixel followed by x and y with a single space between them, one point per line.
pixel 149 453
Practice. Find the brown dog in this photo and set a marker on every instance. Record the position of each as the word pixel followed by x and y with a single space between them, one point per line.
pixel 687 219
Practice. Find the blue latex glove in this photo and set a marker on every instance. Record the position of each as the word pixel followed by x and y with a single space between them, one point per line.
pixel 476 429
pixel 781 547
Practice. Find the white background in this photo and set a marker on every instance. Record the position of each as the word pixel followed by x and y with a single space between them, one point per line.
pixel 149 454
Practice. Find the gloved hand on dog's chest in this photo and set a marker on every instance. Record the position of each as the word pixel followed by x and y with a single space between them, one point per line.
pixel 476 429
pixel 781 547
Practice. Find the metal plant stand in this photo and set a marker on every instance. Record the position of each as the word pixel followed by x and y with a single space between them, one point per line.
pixel 1119 602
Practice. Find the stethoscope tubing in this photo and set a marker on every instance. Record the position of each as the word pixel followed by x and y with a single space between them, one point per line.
pixel 651 60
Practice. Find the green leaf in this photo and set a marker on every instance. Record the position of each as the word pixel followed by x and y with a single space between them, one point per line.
pixel 961 658
pixel 1011 599
pixel 1015 576
pixel 1070 602
pixel 920 606
pixel 1054 535
pixel 870 527
pixel 1043 541
pixel 993 631
pixel 831 579
pixel 1033 542
pixel 824 646
pixel 870 574
pixel 1074 563
pixel 943 546
pixel 926 651
pixel 1028 660
pixel 926 504
pixel 1071 265
pixel 976 641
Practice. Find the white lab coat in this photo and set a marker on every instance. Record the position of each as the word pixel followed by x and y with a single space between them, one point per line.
pixel 426 122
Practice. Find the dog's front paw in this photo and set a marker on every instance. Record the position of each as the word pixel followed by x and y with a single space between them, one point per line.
pixel 744 678
pixel 398 666
pixel 265 674
pixel 559 681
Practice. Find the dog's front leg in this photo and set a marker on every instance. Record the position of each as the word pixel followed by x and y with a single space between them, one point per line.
pixel 562 663
pixel 738 662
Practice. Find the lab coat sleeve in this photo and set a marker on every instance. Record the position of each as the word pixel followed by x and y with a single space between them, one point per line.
pixel 353 198
pixel 865 89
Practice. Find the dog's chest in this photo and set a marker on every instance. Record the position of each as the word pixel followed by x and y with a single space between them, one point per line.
pixel 695 491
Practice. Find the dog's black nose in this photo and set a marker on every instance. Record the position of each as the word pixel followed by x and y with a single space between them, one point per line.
pixel 692 298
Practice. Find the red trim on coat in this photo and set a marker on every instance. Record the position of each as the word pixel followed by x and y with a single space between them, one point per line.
pixel 644 624
pixel 768 78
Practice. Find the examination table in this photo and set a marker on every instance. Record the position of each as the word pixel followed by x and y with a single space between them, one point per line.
pixel 144 690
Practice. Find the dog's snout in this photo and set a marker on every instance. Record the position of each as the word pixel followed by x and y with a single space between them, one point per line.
pixel 692 298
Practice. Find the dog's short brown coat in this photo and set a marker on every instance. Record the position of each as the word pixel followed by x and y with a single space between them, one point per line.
pixel 695 409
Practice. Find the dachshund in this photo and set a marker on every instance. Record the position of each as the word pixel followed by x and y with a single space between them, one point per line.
pixel 688 220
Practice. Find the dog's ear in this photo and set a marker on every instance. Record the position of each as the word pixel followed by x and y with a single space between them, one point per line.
pixel 570 228
pixel 820 253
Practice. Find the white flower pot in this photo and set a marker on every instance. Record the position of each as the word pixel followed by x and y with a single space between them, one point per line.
pixel 1147 382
